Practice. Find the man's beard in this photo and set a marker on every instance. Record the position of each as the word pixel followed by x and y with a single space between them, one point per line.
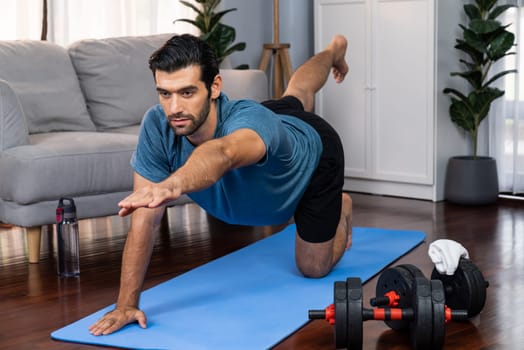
pixel 195 122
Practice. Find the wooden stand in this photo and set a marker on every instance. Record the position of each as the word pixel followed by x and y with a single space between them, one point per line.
pixel 282 70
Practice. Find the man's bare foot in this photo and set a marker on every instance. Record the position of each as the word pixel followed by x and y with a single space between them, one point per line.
pixel 347 212
pixel 340 67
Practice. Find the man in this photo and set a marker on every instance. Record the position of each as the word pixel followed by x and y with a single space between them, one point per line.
pixel 243 162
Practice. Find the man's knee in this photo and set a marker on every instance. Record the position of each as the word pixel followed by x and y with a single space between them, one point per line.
pixel 313 268
pixel 307 99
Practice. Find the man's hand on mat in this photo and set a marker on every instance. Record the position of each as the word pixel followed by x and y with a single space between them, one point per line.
pixel 148 197
pixel 116 319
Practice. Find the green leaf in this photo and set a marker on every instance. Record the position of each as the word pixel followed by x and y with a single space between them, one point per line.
pixel 220 38
pixel 225 35
pixel 461 114
pixel 489 37
pixel 485 5
pixel 211 3
pixel 475 41
pixel 201 23
pixel 481 26
pixel 471 66
pixel 460 95
pixel 188 21
pixel 472 11
pixel 236 47
pixel 222 34
pixel 498 76
pixel 222 13
pixel 476 55
pixel 215 19
pixel 497 11
pixel 482 102
pixel 500 45
pixel 474 77
pixel 190 5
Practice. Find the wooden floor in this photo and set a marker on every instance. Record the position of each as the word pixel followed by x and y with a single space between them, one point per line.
pixel 34 301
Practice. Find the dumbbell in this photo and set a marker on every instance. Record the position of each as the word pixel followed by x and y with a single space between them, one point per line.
pixel 395 289
pixel 465 289
pixel 426 316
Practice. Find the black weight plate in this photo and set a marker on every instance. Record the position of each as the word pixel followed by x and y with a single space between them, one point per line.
pixel 480 283
pixel 341 321
pixel 421 327
pixel 439 314
pixel 400 279
pixel 466 289
pixel 413 270
pixel 354 313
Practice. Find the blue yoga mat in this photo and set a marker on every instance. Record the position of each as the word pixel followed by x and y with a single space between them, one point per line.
pixel 250 299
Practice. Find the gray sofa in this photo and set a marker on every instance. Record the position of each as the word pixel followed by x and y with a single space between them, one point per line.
pixel 69 119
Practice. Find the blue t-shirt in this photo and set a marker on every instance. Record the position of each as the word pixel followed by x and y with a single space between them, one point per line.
pixel 265 193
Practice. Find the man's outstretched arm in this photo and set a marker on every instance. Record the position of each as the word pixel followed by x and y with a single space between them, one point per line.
pixel 135 260
pixel 206 165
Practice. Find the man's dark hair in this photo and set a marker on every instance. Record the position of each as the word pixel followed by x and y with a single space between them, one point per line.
pixel 185 50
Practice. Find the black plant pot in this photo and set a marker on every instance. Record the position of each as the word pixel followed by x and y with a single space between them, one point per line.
pixel 471 181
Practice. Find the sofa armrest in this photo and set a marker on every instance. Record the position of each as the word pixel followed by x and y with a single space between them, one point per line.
pixel 13 125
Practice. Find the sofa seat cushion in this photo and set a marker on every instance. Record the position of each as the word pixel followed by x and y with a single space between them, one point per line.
pixel 67 164
pixel 42 76
pixel 115 77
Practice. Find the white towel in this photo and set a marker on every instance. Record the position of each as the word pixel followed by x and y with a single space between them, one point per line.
pixel 446 255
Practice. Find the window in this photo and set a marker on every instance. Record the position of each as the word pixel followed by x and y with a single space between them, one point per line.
pixel 506 123
pixel 72 20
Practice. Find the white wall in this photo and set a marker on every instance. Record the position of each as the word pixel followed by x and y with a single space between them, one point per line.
pixel 450 139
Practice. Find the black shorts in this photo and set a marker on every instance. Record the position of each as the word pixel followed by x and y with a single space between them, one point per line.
pixel 318 212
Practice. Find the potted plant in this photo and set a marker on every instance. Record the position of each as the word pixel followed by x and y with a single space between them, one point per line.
pixel 485 40
pixel 218 35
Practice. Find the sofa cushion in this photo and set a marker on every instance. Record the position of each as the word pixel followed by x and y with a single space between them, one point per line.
pixel 44 80
pixel 245 84
pixel 13 130
pixel 115 77
pixel 72 163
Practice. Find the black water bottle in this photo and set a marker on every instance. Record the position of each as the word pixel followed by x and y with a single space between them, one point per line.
pixel 67 238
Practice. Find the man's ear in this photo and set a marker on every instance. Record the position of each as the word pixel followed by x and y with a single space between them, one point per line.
pixel 216 87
